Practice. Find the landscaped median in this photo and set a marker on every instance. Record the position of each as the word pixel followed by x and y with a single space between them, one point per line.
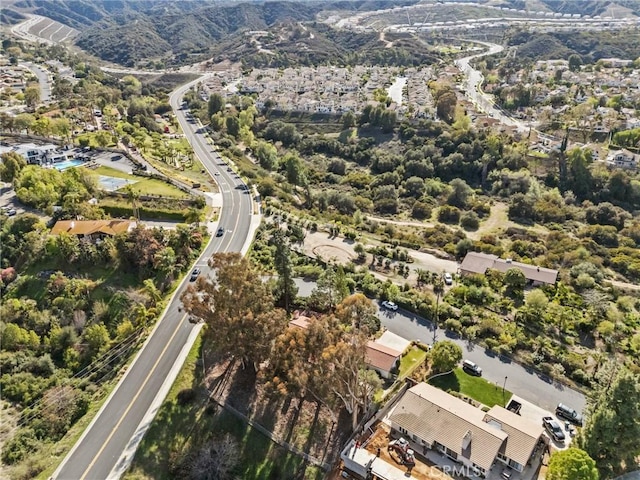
pixel 460 383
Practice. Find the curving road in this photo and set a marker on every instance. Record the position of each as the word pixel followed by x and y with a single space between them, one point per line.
pixel 106 447
pixel 472 86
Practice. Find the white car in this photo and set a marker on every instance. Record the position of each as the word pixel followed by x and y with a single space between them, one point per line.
pixel 390 305
pixel 448 279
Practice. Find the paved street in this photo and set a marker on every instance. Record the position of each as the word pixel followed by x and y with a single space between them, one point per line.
pixel 107 446
pixel 522 381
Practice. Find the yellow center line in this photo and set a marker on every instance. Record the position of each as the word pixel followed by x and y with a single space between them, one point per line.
pixel 135 398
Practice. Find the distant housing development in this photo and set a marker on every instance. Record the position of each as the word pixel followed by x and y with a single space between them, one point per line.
pixel 622 159
pixel 476 262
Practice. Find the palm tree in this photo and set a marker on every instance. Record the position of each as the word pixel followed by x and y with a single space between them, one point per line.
pixel 152 291
pixel 194 215
pixel 423 276
pixel 133 196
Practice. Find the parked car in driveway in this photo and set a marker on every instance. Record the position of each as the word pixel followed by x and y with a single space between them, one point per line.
pixel 390 305
pixel 568 413
pixel 553 428
pixel 448 279
pixel 471 368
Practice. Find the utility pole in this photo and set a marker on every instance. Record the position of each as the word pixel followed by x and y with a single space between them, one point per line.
pixel 504 385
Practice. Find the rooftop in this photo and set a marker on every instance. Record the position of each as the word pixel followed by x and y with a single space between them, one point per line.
pixel 88 227
pixel 477 262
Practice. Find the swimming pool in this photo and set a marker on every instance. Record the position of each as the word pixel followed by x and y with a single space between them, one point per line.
pixel 68 164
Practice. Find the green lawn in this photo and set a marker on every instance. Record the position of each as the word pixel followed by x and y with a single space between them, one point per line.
pixel 477 388
pixel 411 360
pixel 178 427
pixel 145 186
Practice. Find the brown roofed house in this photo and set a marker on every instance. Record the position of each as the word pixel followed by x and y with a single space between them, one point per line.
pixel 92 230
pixel 382 359
pixel 477 262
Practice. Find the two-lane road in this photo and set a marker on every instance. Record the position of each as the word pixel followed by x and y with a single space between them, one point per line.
pixel 106 447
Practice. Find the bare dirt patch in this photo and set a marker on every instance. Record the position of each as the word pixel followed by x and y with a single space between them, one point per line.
pixel 334 252
pixel 300 422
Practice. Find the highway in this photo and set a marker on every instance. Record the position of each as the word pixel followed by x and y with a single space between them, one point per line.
pixel 107 446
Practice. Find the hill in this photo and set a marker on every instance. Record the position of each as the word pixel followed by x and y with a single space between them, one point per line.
pixel 129 32
pixel 590 45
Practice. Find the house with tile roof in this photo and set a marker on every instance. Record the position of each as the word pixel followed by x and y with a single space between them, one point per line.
pixel 384 360
pixel 430 418
pixel 477 262
pixel 92 230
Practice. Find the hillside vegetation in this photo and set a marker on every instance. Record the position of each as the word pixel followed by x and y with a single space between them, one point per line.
pixel 591 46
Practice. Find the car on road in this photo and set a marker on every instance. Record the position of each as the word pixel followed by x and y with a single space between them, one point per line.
pixel 195 274
pixel 448 279
pixel 471 368
pixel 554 429
pixel 390 305
pixel 568 413
pixel 220 232
pixel 229 169
pixel 115 158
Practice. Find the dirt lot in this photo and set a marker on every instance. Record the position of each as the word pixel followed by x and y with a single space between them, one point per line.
pixel 302 423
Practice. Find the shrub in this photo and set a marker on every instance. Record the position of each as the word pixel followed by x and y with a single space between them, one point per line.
pixel 186 396
pixel 449 214
pixel 22 443
pixel 470 221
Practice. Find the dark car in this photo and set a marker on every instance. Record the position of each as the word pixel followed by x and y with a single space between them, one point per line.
pixel 568 413
pixel 115 158
pixel 472 368
pixel 195 274
pixel 220 232
pixel 554 429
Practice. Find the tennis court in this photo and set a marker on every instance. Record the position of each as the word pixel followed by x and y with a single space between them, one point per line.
pixel 111 184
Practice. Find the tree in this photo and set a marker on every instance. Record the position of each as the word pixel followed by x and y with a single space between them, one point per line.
pixel 460 193
pixel 295 169
pixel 343 365
pixel 331 289
pixel 12 164
pixel 611 435
pixel 572 464
pixel 358 311
pixel 515 281
pixel 233 126
pixel 194 216
pixel 133 196
pixel 96 337
pixel 215 104
pixel 446 102
pixel 267 155
pixel 349 120
pixel 445 355
pixel 286 289
pixel 575 62
pixel 32 96
pixel 237 308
